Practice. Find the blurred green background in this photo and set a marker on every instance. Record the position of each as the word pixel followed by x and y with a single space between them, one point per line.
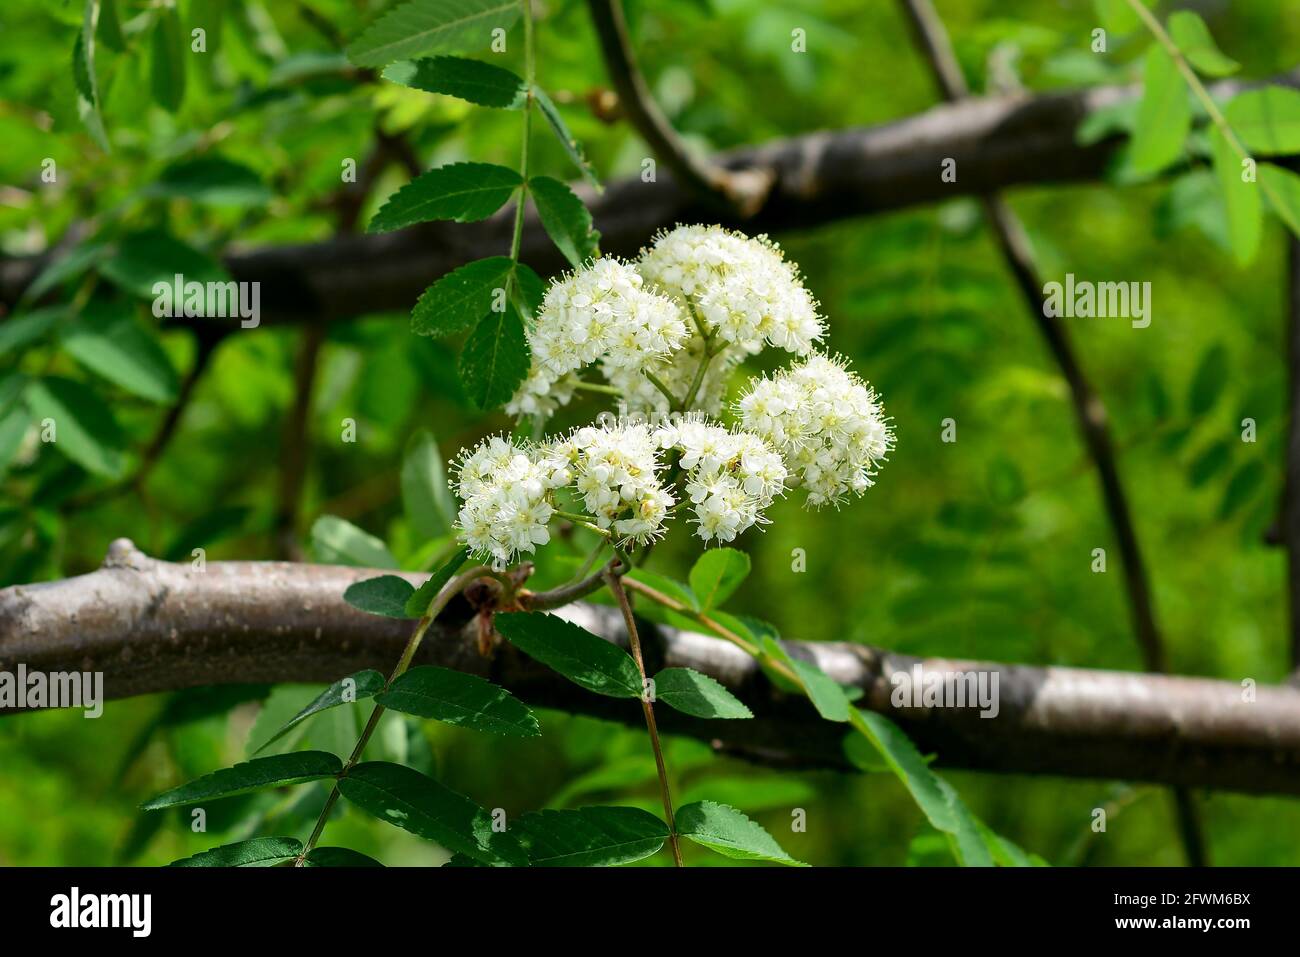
pixel 980 548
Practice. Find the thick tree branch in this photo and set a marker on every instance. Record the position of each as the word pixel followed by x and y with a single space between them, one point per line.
pixel 821 177
pixel 153 626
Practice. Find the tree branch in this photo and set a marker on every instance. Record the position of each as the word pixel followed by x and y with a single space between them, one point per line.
pixel 152 626
pixel 821 177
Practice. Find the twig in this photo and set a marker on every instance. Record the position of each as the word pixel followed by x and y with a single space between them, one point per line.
pixel 742 192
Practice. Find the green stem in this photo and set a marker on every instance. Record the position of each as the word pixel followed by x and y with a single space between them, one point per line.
pixel 659 384
pixel 595 387
pixel 585 521
pixel 516 239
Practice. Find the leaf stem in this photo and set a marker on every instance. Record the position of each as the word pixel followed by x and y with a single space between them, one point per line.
pixel 516 239
pixel 585 521
pixel 614 577
pixel 659 384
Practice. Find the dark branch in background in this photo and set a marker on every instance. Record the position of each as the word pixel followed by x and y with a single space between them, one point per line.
pixel 821 178
pixel 739 191
pixel 153 626
pixel 1089 410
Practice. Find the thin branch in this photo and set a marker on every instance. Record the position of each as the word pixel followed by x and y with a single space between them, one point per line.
pixel 151 626
pixel 739 191
pixel 1089 411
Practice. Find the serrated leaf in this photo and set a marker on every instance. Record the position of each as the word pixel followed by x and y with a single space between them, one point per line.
pixel 571 146
pixel 716 574
pixel 698 695
pixel 1164 115
pixel 565 218
pixel 356 687
pixel 935 797
pixel 1241 198
pixel 826 695
pixel 273 771
pixel 428 809
pixel 1267 120
pixel 386 595
pixel 338 857
pixel 337 541
pixel 585 659
pixel 730 833
pixel 527 291
pixel 461 298
pixel 590 836
pixel 431 26
pixel 460 192
pixel 417 606
pixel 108 341
pixel 471 80
pixel 169 49
pixel 258 852
pixel 84 428
pixel 213 180
pixel 142 260
pixel 460 699
pixel 1193 38
pixel 426 498
pixel 495 359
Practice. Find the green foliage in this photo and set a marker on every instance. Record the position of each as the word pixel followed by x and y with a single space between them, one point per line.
pixel 257 852
pixel 386 595
pixel 471 80
pixel 276 770
pixel 728 832
pixel 457 698
pixel 417 606
pixel 460 192
pixel 699 695
pixel 565 218
pixel 571 146
pixel 87 431
pixel 462 297
pixel 716 574
pixel 106 339
pixel 1164 117
pixel 169 48
pixel 212 180
pixel 422 27
pixel 495 358
pixel 356 687
pixel 1193 37
pixel 426 499
pixel 1267 119
pixel 340 542
pixel 590 836
pixel 585 659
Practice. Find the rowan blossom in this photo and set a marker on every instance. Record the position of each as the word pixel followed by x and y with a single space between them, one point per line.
pixel 505 489
pixel 615 471
pixel 827 424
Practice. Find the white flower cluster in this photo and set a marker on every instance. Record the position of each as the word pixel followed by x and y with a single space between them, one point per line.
pixel 731 477
pixel 600 312
pixel 505 490
pixel 826 423
pixel 666 333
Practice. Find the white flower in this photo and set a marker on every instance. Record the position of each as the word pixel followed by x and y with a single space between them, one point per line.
pixel 506 490
pixel 741 287
pixel 602 311
pixel 827 424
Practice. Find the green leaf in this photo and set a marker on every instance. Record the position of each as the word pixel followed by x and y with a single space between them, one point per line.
pixel 259 852
pixel 725 830
pixel 668 586
pixel 461 298
pixel 460 699
pixel 699 695
pixel 107 340
pixel 1282 187
pixel 426 498
pixel 1116 15
pixel 417 606
pixel 83 76
pixel 1164 116
pixel 1267 120
pixel 1245 212
pixel 386 595
pixel 495 359
pixel 571 146
pixel 339 857
pixel 23 329
pixel 110 27
pixel 419 804
pixel 590 836
pixel 460 192
pixel 585 659
pixel 213 180
pixel 84 428
pixel 826 695
pixel 1193 38
pixel 431 26
pixel 356 687
pixel 527 291
pixel 936 798
pixel 1208 380
pixel 471 80
pixel 14 423
pixel 276 770
pixel 337 541
pixel 170 47
pixel 565 218
pixel 716 574
pixel 142 260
